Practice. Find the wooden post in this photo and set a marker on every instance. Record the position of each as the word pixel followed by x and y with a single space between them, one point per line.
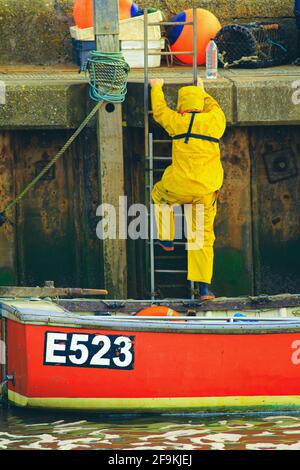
pixel 110 142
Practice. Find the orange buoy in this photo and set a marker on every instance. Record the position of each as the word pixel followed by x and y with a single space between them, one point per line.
pixel 84 12
pixel 181 37
pixel 157 311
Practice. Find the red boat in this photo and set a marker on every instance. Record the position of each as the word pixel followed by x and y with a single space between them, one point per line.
pixel 93 355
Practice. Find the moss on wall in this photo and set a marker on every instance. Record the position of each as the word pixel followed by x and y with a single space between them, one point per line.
pixel 37 31
pixel 228 8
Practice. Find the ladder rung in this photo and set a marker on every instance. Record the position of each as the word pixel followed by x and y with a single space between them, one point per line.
pixel 175 243
pixel 159 170
pixel 162 141
pixel 178 215
pixel 159 159
pixel 171 23
pixel 173 286
pixel 170 271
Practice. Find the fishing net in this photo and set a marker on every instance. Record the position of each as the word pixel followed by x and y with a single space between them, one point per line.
pixel 252 45
pixel 108 74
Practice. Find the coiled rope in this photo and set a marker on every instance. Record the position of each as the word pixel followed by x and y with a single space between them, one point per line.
pixel 108 76
pixel 108 83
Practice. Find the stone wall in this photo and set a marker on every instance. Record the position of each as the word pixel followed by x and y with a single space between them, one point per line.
pixel 228 9
pixel 37 31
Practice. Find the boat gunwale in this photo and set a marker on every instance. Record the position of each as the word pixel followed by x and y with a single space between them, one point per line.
pixel 181 325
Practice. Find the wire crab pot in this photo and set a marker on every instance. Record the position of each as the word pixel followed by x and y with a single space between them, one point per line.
pixel 252 45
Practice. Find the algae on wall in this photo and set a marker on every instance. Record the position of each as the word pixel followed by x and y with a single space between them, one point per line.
pixel 35 31
pixel 225 9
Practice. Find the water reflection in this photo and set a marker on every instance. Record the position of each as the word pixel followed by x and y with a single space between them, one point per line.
pixel 25 430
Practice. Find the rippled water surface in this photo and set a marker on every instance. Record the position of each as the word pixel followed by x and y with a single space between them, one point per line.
pixel 32 430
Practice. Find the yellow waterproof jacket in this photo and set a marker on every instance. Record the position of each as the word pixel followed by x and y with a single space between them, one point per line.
pixel 196 166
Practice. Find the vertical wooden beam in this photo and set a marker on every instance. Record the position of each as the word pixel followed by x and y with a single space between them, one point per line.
pixel 8 252
pixel 110 141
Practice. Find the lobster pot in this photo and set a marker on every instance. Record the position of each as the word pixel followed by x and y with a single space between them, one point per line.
pixel 252 45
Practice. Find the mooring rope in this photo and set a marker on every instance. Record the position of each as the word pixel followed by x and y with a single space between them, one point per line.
pixel 23 193
pixel 108 73
pixel 108 82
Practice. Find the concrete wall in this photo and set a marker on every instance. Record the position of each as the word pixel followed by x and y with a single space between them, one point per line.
pixel 36 31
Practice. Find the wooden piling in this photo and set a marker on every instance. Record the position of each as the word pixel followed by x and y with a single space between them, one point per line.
pixel 110 143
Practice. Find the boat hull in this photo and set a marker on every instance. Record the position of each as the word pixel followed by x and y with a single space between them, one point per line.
pixel 149 369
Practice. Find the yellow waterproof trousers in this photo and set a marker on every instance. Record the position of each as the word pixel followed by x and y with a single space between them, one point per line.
pixel 201 221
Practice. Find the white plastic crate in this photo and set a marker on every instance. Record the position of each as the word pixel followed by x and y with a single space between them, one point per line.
pixel 131 29
pixel 133 52
pixel 80 34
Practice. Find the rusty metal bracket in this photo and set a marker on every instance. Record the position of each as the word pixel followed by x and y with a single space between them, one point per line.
pixel 280 165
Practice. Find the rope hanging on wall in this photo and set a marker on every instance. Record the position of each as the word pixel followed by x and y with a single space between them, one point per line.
pixel 108 83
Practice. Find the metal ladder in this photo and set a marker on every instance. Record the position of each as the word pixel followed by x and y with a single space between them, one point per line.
pixel 150 142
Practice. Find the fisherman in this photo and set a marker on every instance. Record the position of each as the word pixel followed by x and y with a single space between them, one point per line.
pixel 195 176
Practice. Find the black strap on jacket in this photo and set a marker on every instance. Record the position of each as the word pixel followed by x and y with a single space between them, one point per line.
pixel 190 135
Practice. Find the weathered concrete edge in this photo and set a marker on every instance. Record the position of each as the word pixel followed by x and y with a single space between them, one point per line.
pixel 255 102
pixel 263 101
pixel 269 101
pixel 50 105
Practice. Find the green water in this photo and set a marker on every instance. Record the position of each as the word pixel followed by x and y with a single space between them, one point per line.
pixel 25 430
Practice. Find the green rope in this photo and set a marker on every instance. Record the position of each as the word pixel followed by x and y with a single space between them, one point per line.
pixel 108 74
pixel 108 82
pixel 13 203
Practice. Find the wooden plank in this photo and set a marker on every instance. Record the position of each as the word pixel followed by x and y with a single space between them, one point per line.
pixel 8 274
pixel 46 238
pixel 52 292
pixel 239 304
pixel 56 221
pixel 111 165
pixel 233 228
pixel 276 185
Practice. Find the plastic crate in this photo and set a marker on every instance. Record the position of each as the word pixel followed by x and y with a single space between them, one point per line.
pixel 133 52
pixel 131 29
pixel 82 50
